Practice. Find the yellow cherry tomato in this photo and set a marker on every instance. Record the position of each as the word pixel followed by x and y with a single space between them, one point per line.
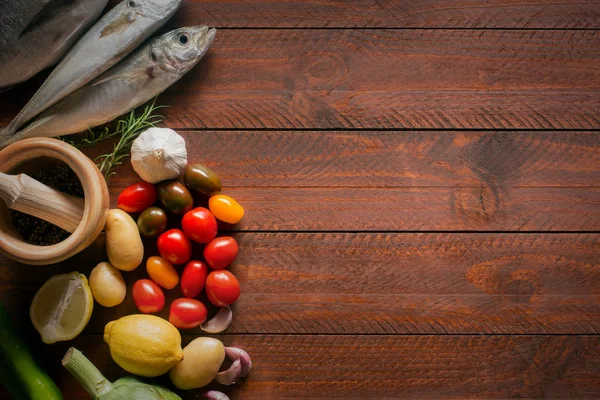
pixel 162 272
pixel 226 209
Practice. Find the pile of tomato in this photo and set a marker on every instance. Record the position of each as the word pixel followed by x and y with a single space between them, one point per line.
pixel 198 225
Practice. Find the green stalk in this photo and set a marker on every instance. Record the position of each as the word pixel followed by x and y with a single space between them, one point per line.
pixel 10 381
pixel 86 373
pixel 35 384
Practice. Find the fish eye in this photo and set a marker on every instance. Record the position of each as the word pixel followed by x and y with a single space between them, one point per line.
pixel 184 38
pixel 132 3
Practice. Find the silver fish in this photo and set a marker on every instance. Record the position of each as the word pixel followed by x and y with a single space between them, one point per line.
pixel 47 39
pixel 108 41
pixel 137 79
pixel 16 16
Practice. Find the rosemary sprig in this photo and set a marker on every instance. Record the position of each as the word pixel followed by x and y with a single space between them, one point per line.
pixel 127 129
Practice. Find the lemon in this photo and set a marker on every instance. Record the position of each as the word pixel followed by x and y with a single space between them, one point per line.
pixel 62 307
pixel 144 345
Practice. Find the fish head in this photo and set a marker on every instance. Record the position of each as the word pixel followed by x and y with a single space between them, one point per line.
pixel 179 50
pixel 153 9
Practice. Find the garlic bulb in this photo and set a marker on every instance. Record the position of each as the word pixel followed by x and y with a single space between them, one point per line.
pixel 158 154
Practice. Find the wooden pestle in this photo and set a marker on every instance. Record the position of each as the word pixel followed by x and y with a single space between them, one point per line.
pixel 25 194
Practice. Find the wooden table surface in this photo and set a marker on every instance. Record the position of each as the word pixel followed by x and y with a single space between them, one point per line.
pixel 422 187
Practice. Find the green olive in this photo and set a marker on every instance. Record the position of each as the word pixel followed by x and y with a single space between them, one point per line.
pixel 175 197
pixel 152 222
pixel 202 179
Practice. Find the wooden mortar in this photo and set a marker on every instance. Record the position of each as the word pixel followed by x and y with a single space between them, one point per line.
pixel 96 201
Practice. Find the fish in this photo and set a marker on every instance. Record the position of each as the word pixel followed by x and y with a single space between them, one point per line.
pixel 137 79
pixel 107 42
pixel 16 15
pixel 47 38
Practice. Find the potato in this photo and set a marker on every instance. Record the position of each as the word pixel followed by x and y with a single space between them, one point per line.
pixel 107 285
pixel 123 242
pixel 202 359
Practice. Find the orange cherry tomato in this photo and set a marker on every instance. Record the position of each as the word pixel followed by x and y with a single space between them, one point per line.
pixel 226 209
pixel 162 272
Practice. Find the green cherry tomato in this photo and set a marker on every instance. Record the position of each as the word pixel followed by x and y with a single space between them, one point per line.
pixel 175 197
pixel 152 222
pixel 202 179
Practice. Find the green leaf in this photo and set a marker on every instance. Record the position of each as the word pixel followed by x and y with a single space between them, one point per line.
pixel 127 129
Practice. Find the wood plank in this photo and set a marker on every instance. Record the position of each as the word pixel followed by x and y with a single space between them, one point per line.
pixel 403 181
pixel 387 284
pixel 375 367
pixel 396 79
pixel 361 159
pixel 415 209
pixel 392 14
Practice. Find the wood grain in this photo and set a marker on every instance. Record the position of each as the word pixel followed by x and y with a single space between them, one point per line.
pixel 387 79
pixel 388 284
pixel 393 79
pixel 394 367
pixel 415 209
pixel 382 159
pixel 392 14
pixel 403 181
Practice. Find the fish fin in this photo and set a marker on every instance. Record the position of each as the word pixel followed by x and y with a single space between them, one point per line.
pixel 48 11
pixel 6 89
pixel 135 73
pixel 118 25
pixel 26 132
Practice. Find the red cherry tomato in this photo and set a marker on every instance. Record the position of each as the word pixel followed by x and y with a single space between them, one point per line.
pixel 222 288
pixel 193 278
pixel 147 296
pixel 200 225
pixel 174 246
pixel 187 313
pixel 137 197
pixel 221 252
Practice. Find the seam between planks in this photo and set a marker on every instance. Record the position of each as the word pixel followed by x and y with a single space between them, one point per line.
pixel 411 28
pixel 382 334
pixel 531 130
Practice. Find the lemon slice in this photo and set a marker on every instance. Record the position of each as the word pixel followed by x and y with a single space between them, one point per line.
pixel 62 307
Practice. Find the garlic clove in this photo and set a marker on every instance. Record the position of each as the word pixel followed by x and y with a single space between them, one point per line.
pixel 235 353
pixel 158 154
pixel 231 375
pixel 219 322
pixel 215 395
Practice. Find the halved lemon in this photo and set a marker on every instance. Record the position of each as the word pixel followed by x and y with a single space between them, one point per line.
pixel 62 307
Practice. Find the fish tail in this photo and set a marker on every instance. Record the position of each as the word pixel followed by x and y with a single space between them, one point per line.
pixel 5 137
pixel 8 130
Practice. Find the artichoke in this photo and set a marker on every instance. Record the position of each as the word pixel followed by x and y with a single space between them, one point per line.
pixel 130 388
